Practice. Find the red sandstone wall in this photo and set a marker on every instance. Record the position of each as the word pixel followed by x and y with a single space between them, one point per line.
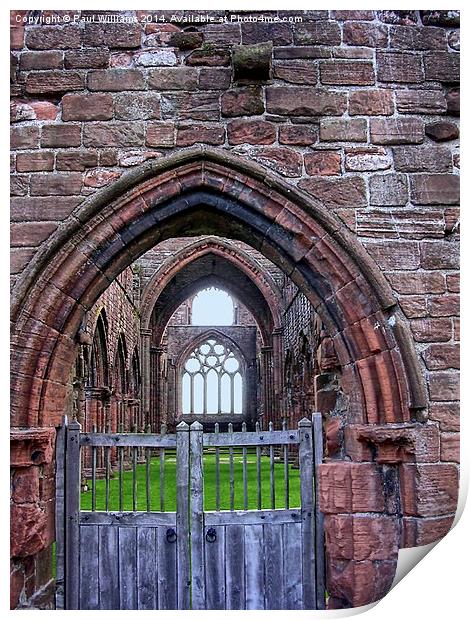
pixel 361 113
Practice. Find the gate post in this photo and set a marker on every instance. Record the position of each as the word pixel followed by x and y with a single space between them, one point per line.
pixel 72 509
pixel 319 528
pixel 197 517
pixel 306 503
pixel 59 512
pixel 182 514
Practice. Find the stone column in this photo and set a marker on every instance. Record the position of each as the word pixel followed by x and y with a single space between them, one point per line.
pixel 267 385
pixel 278 374
pixel 145 339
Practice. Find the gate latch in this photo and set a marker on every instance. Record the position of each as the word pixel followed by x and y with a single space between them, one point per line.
pixel 171 535
pixel 211 535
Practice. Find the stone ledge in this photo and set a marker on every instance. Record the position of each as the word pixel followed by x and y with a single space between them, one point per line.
pixel 31 446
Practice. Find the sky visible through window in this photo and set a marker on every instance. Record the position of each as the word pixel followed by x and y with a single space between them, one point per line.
pixel 211 380
pixel 212 307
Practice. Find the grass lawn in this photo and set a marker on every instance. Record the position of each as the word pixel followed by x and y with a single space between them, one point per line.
pixel 209 484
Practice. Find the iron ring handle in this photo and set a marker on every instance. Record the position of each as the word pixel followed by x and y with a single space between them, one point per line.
pixel 211 535
pixel 171 535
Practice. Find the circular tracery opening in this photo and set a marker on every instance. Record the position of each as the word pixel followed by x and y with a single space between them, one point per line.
pixel 212 381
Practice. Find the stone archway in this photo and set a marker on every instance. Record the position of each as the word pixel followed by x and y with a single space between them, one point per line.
pixel 173 198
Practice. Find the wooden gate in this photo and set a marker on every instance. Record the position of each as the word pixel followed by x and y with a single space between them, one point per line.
pixel 187 557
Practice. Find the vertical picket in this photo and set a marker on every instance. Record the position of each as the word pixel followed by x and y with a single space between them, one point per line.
pixel 182 514
pixel 197 517
pixel 319 527
pixel 306 502
pixel 72 509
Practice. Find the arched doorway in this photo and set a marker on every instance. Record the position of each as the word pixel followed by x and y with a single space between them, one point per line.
pixel 174 198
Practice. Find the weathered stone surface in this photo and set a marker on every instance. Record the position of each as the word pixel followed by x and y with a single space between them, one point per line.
pixel 439 255
pixel 246 101
pixel 422 159
pixel 324 163
pixel 43 82
pixel 417 38
pixel 399 67
pixel 44 37
pixel 42 208
pixel 447 19
pixel 87 58
pixel 404 18
pixel 160 134
pixel 453 40
pixel 403 255
pixel 59 184
pixel 350 130
pixel 435 189
pixel 419 531
pixel 113 134
pixel 195 106
pixel 296 72
pixel 209 57
pixel 396 131
pixel 317 33
pixel 285 161
pixel 297 134
pixel 252 63
pixel 115 80
pixel 35 162
pixel 173 78
pixel 100 178
pixel 453 102
pixel 442 131
pixel 25 137
pixel 411 223
pixel 137 106
pixel 388 190
pixel 432 330
pixel 413 283
pixel 371 102
pixel 364 159
pixel 251 132
pixel 304 101
pixel 113 35
pixel 27 529
pixel 346 487
pixel 447 414
pixel 87 107
pixel 155 58
pixel 278 33
pixel 442 66
pixel 30 234
pixel 337 193
pixel 61 135
pixel 346 72
pixel 429 490
pixel 188 135
pixel 442 356
pixel 186 40
pixel 41 60
pixel 421 102
pixel 78 160
pixel 369 35
pixel 214 78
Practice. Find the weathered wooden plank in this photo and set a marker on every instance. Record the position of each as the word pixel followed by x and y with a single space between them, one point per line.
pixel 217 472
pixel 292 574
pixel 214 554
pixel 245 473
pixel 252 517
pixel 272 486
pixel 182 515
pixel 258 472
pixel 59 512
pixel 89 587
pixel 231 469
pixel 147 595
pixel 162 479
pixel 319 526
pixel 108 572
pixel 72 509
pixel 254 567
pixel 274 567
pixel 306 502
pixel 128 567
pixel 129 519
pixel 235 567
pixel 197 517
pixel 261 438
pixel 140 440
pixel 167 571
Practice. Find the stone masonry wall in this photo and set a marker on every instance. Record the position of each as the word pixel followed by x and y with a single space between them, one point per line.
pixel 360 110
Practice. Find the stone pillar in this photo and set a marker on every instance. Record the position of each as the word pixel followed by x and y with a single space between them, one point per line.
pixel 268 410
pixel 278 374
pixel 145 338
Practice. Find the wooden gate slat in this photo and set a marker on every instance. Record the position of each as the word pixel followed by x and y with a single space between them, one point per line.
pixel 307 509
pixel 274 567
pixel 146 569
pixel 292 551
pixel 182 515
pixel 166 571
pixel 108 572
pixel 72 509
pixel 128 567
pixel 254 567
pixel 197 517
pixel 319 525
pixel 89 562
pixel 214 555
pixel 235 567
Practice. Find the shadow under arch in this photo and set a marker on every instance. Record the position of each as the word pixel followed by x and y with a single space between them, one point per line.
pixel 205 191
pixel 269 299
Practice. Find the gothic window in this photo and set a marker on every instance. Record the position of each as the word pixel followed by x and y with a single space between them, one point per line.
pixel 212 380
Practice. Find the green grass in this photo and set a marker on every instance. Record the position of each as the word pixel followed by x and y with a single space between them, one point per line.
pixel 209 485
